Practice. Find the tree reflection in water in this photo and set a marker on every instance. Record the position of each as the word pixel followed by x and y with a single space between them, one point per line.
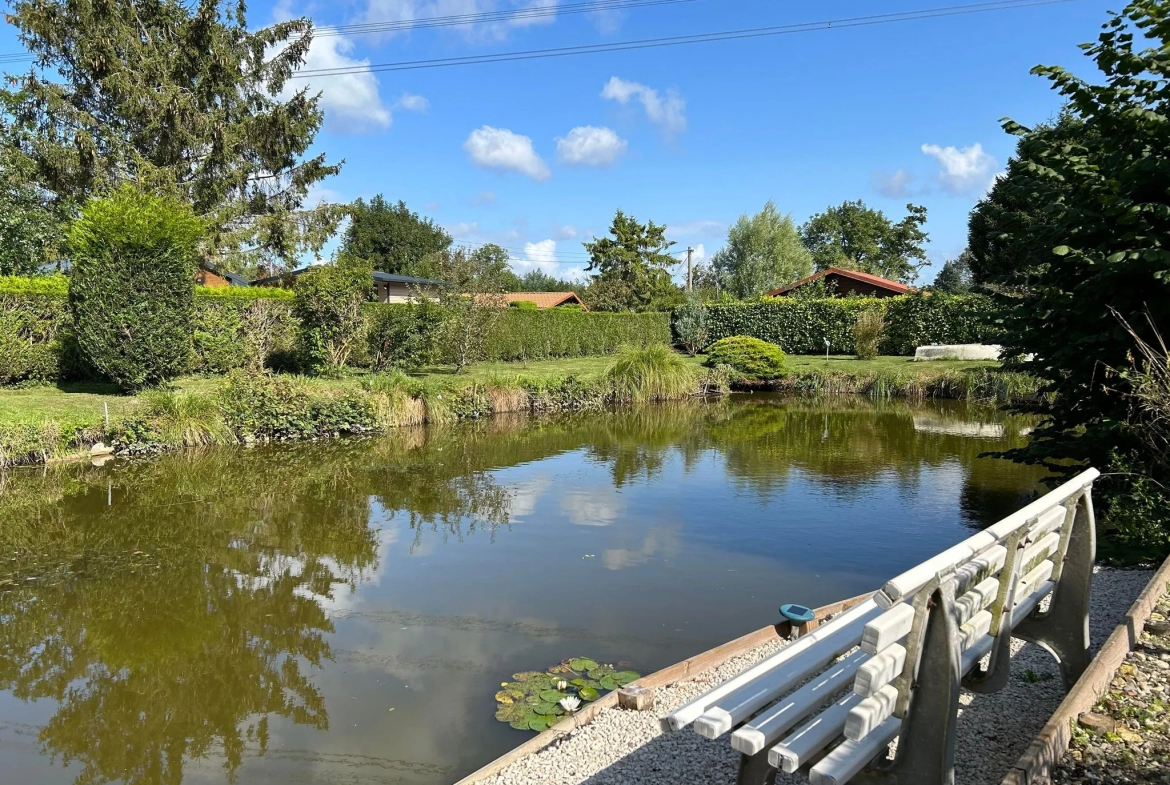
pixel 171 608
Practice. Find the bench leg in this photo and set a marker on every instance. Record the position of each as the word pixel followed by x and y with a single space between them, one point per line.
pixel 754 770
pixel 926 744
pixel 1064 628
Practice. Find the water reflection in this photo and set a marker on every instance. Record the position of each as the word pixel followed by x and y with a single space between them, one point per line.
pixel 255 615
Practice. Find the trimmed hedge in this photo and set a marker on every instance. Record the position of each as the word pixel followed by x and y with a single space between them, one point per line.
pixel 556 332
pixel 248 327
pixel 800 326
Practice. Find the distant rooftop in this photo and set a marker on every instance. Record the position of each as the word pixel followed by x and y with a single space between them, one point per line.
pixel 874 280
pixel 379 276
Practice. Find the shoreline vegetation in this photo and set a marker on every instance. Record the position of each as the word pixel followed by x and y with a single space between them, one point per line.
pixel 42 424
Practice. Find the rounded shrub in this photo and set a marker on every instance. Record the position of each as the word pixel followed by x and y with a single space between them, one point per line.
pixel 751 358
pixel 524 305
pixel 132 289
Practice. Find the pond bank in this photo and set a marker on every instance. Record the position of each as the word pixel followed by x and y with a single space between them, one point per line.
pixel 41 425
pixel 626 746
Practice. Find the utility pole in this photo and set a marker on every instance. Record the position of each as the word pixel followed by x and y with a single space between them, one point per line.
pixel 689 252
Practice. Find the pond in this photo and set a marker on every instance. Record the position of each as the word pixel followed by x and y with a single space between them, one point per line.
pixel 344 612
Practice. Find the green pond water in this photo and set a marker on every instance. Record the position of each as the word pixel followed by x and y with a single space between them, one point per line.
pixel 344 612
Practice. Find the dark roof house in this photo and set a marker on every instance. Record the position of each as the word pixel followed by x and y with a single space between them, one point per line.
pixel 389 287
pixel 209 274
pixel 847 282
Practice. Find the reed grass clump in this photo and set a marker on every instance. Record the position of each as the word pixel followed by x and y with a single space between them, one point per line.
pixel 654 373
pixel 186 419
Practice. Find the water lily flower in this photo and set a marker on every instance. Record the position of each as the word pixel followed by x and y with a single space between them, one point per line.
pixel 562 684
pixel 571 703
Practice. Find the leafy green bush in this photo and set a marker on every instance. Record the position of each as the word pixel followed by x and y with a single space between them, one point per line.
pixel 328 307
pixel 524 305
pixel 36 336
pixel 403 335
pixel 868 332
pixel 264 407
pixel 654 373
pixel 238 332
pixel 244 293
pixel 801 325
pixel 564 332
pixel 751 358
pixel 55 284
pixel 690 324
pixel 132 290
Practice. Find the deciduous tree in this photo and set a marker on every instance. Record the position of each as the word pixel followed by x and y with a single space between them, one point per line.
pixel 856 237
pixel 954 277
pixel 763 251
pixel 394 239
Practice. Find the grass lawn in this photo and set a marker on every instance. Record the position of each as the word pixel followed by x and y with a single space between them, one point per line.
pixel 81 403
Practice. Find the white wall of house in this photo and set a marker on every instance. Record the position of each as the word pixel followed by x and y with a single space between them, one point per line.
pixel 402 293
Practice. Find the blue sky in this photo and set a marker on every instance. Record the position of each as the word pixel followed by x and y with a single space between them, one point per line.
pixel 536 155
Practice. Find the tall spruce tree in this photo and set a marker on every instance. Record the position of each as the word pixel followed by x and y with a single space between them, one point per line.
pixel 631 268
pixel 181 99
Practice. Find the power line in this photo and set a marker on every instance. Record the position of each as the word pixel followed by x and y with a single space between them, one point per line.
pixel 453 20
pixel 681 40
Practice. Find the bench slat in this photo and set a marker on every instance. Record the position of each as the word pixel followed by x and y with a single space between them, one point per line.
pixel 880 670
pixel 915 578
pixel 850 757
pixel 866 716
pixel 979 568
pixel 1047 522
pixel 979 598
pixel 891 627
pixel 774 722
pixel 685 715
pixel 812 737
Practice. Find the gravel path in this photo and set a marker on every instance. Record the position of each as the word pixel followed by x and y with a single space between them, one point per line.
pixel 627 748
pixel 1130 741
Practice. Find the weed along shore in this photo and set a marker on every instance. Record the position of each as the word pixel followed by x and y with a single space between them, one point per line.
pixel 42 424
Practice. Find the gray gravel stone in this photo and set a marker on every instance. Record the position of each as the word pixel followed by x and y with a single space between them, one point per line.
pixel 623 747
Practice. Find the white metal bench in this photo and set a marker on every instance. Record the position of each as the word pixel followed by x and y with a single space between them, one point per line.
pixel 830 703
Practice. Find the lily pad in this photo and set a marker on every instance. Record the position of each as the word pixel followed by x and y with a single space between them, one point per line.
pixel 625 677
pixel 582 664
pixel 521 724
pixel 580 682
pixel 588 694
pixel 607 683
pixel 533 700
pixel 552 696
pixel 538 724
pixel 545 708
pixel 600 672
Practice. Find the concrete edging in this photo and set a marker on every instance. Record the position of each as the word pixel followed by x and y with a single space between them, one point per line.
pixel 1046 750
pixel 681 671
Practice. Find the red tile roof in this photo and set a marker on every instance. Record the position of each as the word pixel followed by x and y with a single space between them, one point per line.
pixel 545 299
pixel 875 280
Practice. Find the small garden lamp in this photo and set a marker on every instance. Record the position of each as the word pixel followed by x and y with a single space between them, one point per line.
pixel 826 350
pixel 801 618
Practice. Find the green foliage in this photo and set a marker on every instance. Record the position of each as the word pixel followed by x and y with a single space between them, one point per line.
pixel 238 332
pixel 564 332
pixel 328 307
pixel 403 335
pixel 393 238
pixel 800 326
pixel 631 268
pixel 191 103
pixel 1102 260
pixel 690 324
pixel 524 305
pixel 857 237
pixel 764 251
pixel 131 290
pixel 36 335
pixel 538 280
pixel 955 275
pixel 55 284
pixel 263 407
pixel 867 333
pixel 655 373
pixel 244 293
pixel 1001 224
pixel 32 227
pixel 751 359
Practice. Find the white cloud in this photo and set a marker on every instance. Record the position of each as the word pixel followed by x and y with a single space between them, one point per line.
pixel 964 171
pixel 567 232
pixel 403 13
pixel 668 113
pixel 460 230
pixel 542 253
pixel 592 507
pixel 351 101
pixel 895 186
pixel 499 148
pixel 588 145
pixel 693 228
pixel 413 103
